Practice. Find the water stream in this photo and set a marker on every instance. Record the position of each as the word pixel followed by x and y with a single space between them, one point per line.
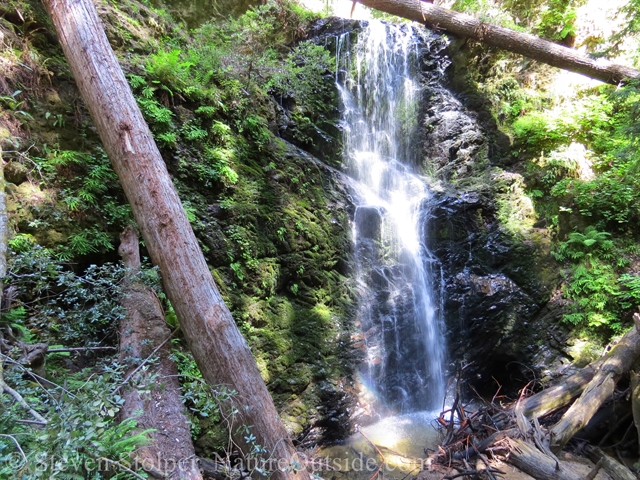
pixel 399 316
pixel 402 376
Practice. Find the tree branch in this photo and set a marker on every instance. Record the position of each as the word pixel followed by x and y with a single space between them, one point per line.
pixel 18 398
pixel 521 43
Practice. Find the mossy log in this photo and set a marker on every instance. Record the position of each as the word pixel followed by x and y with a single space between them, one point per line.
pixel 530 46
pixel 158 405
pixel 618 362
pixel 614 469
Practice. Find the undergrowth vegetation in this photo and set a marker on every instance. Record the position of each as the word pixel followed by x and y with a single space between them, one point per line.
pixel 223 102
pixel 231 105
pixel 575 148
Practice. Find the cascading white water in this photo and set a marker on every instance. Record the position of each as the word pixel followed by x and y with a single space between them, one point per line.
pixel 378 80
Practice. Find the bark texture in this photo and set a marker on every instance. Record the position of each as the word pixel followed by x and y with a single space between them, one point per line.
pixel 219 349
pixel 634 376
pixel 524 44
pixel 4 232
pixel 560 395
pixel 619 360
pixel 540 466
pixel 614 469
pixel 157 404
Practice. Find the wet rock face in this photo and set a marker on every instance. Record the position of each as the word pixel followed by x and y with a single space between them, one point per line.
pixel 491 290
pixel 453 140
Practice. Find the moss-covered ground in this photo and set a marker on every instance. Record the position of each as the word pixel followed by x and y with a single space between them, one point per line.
pixel 271 220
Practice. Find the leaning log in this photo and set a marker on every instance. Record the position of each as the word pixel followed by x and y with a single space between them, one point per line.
pixel 620 360
pixel 4 228
pixel 157 405
pixel 530 46
pixel 559 395
pixel 563 393
pixel 215 341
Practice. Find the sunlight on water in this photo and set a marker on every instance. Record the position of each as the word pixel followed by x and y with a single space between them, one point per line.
pixel 401 440
pixel 407 434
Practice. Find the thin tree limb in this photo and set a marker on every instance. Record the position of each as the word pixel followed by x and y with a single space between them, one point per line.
pixel 121 466
pixel 18 398
pixel 530 46
pixel 17 446
pixel 79 349
pixel 146 360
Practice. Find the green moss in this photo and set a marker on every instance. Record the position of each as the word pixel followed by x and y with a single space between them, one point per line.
pixel 260 207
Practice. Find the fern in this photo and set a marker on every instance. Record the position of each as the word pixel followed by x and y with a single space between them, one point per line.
pixel 588 244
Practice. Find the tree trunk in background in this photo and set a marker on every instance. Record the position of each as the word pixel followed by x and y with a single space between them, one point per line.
pixel 4 228
pixel 635 399
pixel 524 44
pixel 219 349
pixel 154 391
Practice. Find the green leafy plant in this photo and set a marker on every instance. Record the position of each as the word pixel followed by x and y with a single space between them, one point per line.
pixel 81 436
pixel 167 68
pixel 630 292
pixel 593 282
pixel 12 103
pixel 70 307
pixel 558 19
pixel 588 245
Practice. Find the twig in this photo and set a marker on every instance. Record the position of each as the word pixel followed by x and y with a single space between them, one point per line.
pixel 123 467
pixel 379 453
pixel 38 378
pixel 7 389
pixel 474 473
pixel 17 446
pixel 79 349
pixel 624 437
pixel 135 370
pixel 466 473
pixel 486 462
pixel 615 427
pixel 596 469
pixel 30 422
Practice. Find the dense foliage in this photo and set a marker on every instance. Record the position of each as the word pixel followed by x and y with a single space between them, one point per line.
pixel 230 105
pixel 217 101
pixel 577 152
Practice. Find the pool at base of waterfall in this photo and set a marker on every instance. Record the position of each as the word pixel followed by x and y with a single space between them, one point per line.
pixel 397 447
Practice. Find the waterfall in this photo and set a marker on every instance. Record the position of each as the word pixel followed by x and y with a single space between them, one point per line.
pixel 399 316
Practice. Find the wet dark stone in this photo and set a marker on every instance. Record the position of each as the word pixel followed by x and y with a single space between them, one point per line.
pixel 492 290
pixel 368 222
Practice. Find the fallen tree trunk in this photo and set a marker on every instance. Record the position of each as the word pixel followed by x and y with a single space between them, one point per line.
pixel 619 361
pixel 220 351
pixel 4 228
pixel 540 466
pixel 521 43
pixel 614 469
pixel 144 332
pixel 561 394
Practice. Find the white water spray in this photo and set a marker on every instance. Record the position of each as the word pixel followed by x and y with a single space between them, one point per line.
pixel 399 315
